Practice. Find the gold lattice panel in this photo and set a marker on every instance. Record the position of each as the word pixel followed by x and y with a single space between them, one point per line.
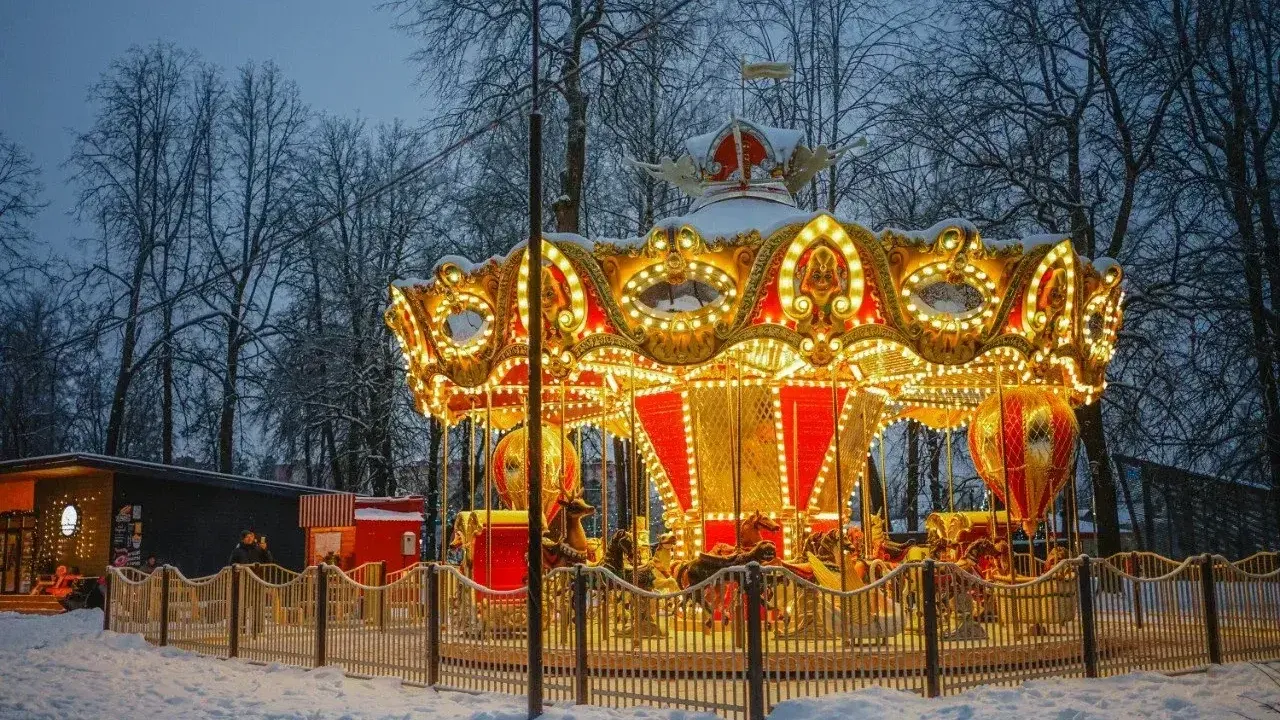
pixel 714 420
pixel 858 423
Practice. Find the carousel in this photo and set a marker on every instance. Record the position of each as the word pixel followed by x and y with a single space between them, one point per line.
pixel 750 354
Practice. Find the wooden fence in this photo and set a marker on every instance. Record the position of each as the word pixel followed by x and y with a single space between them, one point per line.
pixel 735 644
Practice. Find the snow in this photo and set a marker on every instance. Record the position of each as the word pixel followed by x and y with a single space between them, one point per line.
pixel 66 667
pixel 1225 691
pixel 1103 263
pixel 378 514
pixel 731 217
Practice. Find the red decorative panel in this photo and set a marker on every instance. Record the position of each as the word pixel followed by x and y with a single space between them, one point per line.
pixel 808 428
pixel 662 416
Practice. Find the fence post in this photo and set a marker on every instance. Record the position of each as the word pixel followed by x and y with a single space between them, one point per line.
pixel 433 625
pixel 233 615
pixel 931 664
pixel 1210 610
pixel 755 644
pixel 164 606
pixel 322 612
pixel 1088 626
pixel 106 599
pixel 580 635
pixel 1135 569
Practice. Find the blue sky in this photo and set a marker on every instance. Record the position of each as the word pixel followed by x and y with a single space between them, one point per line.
pixel 344 55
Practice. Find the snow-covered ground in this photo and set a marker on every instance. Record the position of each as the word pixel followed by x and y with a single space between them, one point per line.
pixel 66 667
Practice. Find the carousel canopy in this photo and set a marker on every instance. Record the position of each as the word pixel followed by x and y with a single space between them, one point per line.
pixel 746 341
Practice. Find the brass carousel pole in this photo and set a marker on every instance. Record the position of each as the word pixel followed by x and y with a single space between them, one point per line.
pixel 533 413
pixel 471 458
pixel 604 486
pixel 737 460
pixel 864 494
pixel 564 470
pixel 444 495
pixel 1004 465
pixel 841 499
pixel 633 467
pixel 795 455
pixel 488 487
pixel 1077 545
pixel 884 486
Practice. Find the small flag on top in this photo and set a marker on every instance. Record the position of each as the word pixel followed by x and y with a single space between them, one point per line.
pixel 766 70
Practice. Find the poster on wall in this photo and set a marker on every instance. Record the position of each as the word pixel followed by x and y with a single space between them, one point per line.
pixel 126 536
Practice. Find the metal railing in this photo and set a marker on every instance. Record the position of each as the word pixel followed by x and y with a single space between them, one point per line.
pixel 735 644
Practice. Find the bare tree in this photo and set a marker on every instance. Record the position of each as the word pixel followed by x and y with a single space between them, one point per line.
pixel 135 169
pixel 20 191
pixel 248 178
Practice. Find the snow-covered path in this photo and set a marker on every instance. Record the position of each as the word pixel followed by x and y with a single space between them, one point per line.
pixel 64 667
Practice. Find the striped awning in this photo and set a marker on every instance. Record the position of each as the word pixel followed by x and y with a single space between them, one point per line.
pixel 329 510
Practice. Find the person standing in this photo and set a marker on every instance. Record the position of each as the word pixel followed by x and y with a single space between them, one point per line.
pixel 247 552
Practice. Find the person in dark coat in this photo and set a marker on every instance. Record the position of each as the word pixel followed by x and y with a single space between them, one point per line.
pixel 247 552
pixel 264 555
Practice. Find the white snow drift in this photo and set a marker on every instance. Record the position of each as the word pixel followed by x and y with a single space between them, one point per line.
pixel 65 667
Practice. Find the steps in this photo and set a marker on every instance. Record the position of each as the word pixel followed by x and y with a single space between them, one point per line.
pixel 31 604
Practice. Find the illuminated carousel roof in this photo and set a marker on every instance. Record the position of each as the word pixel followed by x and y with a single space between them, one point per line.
pixel 747 286
pixel 753 348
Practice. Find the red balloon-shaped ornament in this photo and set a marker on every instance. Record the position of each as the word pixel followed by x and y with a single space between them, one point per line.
pixel 1032 439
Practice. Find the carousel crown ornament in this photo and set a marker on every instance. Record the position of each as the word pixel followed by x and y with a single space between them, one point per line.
pixel 750 352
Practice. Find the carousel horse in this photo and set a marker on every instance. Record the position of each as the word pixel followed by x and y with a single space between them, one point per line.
pixel 616 554
pixel 691 572
pixel 749 532
pixel 573 549
pixel 715 600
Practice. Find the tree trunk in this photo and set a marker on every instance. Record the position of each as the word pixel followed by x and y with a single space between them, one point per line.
pixel 1106 513
pixel 166 379
pixel 435 513
pixel 621 498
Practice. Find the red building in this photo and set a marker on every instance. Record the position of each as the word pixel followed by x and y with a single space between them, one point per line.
pixel 362 530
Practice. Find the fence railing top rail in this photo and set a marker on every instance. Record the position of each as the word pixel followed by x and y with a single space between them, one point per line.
pixel 1222 564
pixel 257 577
pixel 197 581
pixel 876 584
pixel 1066 567
pixel 468 582
pixel 129 574
pixel 1175 570
pixel 403 579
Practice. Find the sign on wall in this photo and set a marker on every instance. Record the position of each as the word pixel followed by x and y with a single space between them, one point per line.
pixel 126 536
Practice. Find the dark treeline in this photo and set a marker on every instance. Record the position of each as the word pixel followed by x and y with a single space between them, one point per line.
pixel 227 309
